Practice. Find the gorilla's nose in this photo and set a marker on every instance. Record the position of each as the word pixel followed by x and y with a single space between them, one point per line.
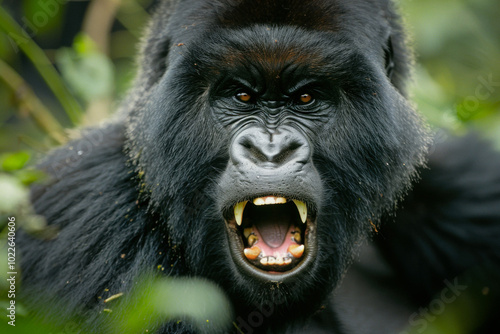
pixel 263 149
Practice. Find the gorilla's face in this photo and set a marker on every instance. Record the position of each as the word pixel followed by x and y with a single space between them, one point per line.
pixel 271 151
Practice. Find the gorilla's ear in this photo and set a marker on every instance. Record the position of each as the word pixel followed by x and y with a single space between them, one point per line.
pixel 389 58
pixel 155 60
pixel 156 45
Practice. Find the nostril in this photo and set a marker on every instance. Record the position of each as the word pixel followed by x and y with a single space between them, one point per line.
pixel 246 143
pixel 258 155
pixel 287 153
pixel 295 145
pixel 248 149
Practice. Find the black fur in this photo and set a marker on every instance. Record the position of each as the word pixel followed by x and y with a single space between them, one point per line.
pixel 450 221
pixel 153 182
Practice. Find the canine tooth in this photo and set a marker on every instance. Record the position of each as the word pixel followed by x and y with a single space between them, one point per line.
pixel 302 207
pixel 296 250
pixel 238 211
pixel 252 253
pixel 252 239
pixel 247 232
pixel 263 261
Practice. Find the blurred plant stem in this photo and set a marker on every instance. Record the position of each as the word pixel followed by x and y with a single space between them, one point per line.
pixel 98 21
pixel 42 64
pixel 97 24
pixel 28 101
pixel 133 16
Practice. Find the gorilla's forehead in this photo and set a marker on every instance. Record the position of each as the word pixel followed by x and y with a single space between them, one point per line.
pixel 360 19
pixel 320 15
pixel 274 53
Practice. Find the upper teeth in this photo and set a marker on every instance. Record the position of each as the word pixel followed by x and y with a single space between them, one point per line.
pixel 269 200
pixel 240 207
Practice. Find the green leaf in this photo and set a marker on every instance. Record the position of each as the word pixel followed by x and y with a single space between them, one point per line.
pixel 29 176
pixel 84 44
pixel 14 161
pixel 88 72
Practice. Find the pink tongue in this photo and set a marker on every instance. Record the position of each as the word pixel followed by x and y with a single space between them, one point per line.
pixel 273 228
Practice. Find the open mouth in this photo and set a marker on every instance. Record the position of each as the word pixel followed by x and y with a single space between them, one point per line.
pixel 271 233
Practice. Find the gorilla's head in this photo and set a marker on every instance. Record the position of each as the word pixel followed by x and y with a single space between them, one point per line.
pixel 271 136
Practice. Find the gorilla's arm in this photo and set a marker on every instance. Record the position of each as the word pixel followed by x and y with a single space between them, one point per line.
pixel 444 234
pixel 447 227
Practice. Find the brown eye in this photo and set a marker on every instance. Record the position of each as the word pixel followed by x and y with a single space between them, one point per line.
pixel 243 97
pixel 305 98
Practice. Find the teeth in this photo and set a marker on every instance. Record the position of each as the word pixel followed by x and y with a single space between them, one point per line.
pixel 252 253
pixel 296 250
pixel 269 200
pixel 252 239
pixel 271 260
pixel 297 237
pixel 259 201
pixel 302 207
pixel 247 232
pixel 280 200
pixel 238 212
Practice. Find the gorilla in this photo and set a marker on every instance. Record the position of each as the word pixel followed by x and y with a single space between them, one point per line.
pixel 265 147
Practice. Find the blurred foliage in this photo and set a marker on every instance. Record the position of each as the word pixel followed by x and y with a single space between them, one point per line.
pixel 87 71
pixel 72 56
pixel 155 300
pixel 198 301
pixel 457 79
pixel 15 177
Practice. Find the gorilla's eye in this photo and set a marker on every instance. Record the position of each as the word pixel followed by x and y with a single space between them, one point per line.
pixel 244 97
pixel 305 98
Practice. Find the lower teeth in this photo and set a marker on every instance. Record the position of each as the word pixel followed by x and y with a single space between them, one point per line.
pixel 271 260
pixel 254 253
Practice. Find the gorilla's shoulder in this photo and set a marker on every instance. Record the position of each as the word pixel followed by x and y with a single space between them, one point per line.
pixel 89 199
pixel 93 147
pixel 87 171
